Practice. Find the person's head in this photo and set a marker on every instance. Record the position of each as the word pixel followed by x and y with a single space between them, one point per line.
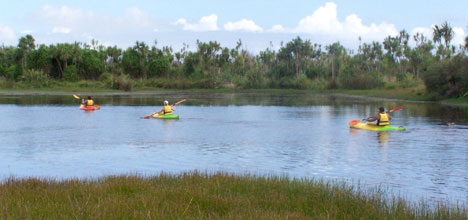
pixel 166 102
pixel 381 109
pixel 89 97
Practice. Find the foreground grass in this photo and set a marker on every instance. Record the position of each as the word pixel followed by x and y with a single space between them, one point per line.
pixel 201 196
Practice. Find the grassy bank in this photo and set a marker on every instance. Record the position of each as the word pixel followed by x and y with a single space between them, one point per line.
pixel 97 87
pixel 456 101
pixel 410 94
pixel 201 196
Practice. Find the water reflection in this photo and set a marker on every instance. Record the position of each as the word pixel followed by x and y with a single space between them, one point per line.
pixel 383 138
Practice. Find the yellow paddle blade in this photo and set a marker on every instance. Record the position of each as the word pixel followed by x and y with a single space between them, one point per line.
pixel 75 96
pixel 183 100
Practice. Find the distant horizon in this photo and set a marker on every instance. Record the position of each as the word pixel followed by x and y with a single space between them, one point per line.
pixel 256 23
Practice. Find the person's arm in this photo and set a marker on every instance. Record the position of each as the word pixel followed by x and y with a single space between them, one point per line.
pixel 389 117
pixel 172 107
pixel 377 117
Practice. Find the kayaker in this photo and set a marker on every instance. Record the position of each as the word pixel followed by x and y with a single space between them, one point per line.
pixel 167 109
pixel 88 102
pixel 382 118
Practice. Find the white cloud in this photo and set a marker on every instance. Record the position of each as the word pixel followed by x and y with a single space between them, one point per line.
pixel 324 22
pixel 243 25
pixel 277 28
pixel 61 18
pixel 7 35
pixel 61 30
pixel 206 23
pixel 459 37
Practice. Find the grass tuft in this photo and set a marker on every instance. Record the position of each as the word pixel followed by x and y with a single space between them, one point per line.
pixel 205 196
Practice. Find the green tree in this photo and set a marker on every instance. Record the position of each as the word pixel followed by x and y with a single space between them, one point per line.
pixel 335 52
pixel 445 32
pixel 25 45
pixel 114 53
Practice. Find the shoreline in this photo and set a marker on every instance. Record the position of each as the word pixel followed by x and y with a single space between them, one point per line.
pixel 402 95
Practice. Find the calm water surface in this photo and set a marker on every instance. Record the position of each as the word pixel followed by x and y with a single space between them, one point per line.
pixel 299 135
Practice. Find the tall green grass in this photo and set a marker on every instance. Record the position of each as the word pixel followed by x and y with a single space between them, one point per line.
pixel 203 196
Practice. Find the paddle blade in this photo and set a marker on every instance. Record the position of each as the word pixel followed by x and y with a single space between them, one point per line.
pixel 75 96
pixel 354 122
pixel 146 117
pixel 183 100
pixel 396 109
pixel 97 107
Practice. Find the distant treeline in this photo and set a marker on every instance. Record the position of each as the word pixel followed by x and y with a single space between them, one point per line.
pixel 393 63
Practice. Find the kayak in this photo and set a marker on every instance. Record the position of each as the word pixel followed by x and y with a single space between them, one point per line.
pixel 373 127
pixel 87 108
pixel 168 116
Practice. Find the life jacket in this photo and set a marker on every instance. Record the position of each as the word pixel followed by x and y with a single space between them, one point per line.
pixel 89 102
pixel 383 120
pixel 167 109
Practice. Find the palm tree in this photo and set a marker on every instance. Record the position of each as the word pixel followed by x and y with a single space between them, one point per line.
pixel 335 51
pixel 142 50
pixel 443 32
pixel 25 44
pixel 447 34
pixel 437 34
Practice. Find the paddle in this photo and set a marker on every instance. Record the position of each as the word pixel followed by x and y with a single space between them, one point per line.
pixel 396 109
pixel 95 106
pixel 355 122
pixel 149 116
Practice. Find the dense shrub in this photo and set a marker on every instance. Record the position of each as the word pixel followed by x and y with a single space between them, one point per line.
pixel 123 82
pixel 71 74
pixel 352 80
pixel 35 78
pixel 107 79
pixel 159 67
pixel 447 78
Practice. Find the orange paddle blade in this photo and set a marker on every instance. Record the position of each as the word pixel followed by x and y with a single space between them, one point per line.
pixel 354 122
pixel 75 96
pixel 396 109
pixel 97 107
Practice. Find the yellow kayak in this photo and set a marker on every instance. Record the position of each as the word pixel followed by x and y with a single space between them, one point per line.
pixel 373 127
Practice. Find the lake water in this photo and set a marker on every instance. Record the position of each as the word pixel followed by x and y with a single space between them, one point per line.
pixel 297 134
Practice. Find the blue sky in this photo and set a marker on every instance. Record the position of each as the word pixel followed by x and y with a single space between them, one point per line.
pixel 256 22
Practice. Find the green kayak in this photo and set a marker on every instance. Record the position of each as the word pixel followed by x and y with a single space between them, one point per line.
pixel 372 127
pixel 166 116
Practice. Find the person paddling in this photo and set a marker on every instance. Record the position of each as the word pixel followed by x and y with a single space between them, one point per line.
pixel 167 109
pixel 88 102
pixel 382 118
